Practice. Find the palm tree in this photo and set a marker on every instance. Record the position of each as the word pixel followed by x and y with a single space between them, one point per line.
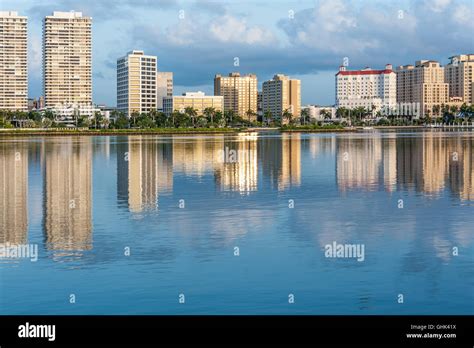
pixel 342 112
pixel 176 116
pixel 444 109
pixel 326 114
pixel 267 116
pixel 454 109
pixel 250 113
pixel 134 116
pixel 49 114
pixel 229 116
pixel 304 115
pixel 287 115
pixel 427 115
pixel 191 112
pixel 218 116
pixel 104 123
pixel 209 113
pixel 97 118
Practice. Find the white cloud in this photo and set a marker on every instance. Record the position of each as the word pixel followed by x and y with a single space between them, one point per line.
pixel 199 31
pixel 464 15
pixel 334 16
pixel 185 32
pixel 437 5
pixel 231 29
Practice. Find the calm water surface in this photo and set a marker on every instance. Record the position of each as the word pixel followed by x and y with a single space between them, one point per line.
pixel 182 204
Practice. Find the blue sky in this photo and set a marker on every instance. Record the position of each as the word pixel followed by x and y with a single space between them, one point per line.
pixel 304 39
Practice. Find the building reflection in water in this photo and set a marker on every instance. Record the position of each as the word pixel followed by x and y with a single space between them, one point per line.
pixel 196 156
pixel 358 162
pixel 426 164
pixel 320 145
pixel 290 161
pixel 241 174
pixel 435 160
pixel 101 147
pixel 461 167
pixel 144 168
pixel 389 165
pixel 232 160
pixel 14 192
pixel 68 194
pixel 409 163
pixel 280 160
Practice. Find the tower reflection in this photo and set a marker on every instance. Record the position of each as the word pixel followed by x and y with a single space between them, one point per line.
pixel 426 164
pixel 144 168
pixel 14 193
pixel 68 194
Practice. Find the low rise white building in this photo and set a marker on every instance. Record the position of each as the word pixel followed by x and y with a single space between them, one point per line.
pixel 68 114
pixel 320 113
pixel 368 88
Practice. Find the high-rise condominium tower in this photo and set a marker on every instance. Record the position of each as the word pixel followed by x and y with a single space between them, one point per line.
pixel 282 94
pixel 67 59
pixel 239 92
pixel 136 83
pixel 13 62
pixel 459 74
pixel 423 84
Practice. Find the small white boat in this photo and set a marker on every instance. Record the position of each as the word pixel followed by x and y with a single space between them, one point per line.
pixel 368 128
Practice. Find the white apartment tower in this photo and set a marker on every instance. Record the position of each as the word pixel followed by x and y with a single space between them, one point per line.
pixel 13 62
pixel 368 88
pixel 164 87
pixel 136 83
pixel 67 59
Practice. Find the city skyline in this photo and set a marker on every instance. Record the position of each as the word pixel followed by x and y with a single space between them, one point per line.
pixel 220 32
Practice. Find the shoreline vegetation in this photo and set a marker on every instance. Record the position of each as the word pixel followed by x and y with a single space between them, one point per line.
pixel 193 131
pixel 99 132
pixel 164 131
pixel 211 121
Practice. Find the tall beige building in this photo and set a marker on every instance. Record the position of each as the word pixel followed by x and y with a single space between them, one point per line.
pixel 459 74
pixel 67 59
pixel 13 61
pixel 282 94
pixel 239 92
pixel 136 83
pixel 423 84
pixel 164 87
pixel 472 91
